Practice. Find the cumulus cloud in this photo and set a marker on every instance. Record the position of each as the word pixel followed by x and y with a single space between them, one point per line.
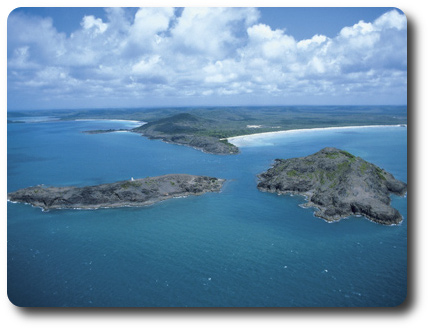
pixel 315 41
pixel 212 32
pixel 265 42
pixel 203 54
pixel 96 25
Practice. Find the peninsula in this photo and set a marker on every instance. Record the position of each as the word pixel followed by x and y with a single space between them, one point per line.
pixel 183 129
pixel 134 192
pixel 337 184
pixel 187 129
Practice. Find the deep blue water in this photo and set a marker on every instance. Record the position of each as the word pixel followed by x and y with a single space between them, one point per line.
pixel 240 247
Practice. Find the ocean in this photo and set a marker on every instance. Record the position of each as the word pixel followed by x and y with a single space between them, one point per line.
pixel 237 248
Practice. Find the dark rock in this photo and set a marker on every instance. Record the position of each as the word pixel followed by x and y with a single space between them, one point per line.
pixel 137 192
pixel 337 184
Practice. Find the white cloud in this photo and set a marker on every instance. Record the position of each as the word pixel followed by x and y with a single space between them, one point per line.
pixel 202 52
pixel 211 31
pixel 146 65
pixel 42 42
pixel 361 28
pixel 391 19
pixel 315 41
pixel 96 25
pixel 317 65
pixel 265 42
pixel 148 22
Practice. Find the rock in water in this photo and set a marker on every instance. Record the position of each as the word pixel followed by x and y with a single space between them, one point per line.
pixel 136 192
pixel 337 184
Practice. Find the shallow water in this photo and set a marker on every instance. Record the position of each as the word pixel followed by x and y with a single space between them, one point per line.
pixel 240 247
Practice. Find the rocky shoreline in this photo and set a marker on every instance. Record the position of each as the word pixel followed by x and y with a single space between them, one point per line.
pixel 101 131
pixel 207 144
pixel 337 184
pixel 134 192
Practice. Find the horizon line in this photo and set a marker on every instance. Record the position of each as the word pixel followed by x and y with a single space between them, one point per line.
pixel 209 106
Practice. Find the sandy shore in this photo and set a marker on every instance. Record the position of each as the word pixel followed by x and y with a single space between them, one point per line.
pixel 246 140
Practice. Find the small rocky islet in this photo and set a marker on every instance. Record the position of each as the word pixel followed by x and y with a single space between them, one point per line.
pixel 337 184
pixel 134 192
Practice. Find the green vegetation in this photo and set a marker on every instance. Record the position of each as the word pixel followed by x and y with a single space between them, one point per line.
pixel 380 173
pixel 364 166
pixel 225 142
pixel 322 179
pixel 292 173
pixel 331 175
pixel 333 155
pixel 343 166
pixel 347 154
pixel 337 154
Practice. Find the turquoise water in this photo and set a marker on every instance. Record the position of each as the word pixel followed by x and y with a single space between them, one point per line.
pixel 240 247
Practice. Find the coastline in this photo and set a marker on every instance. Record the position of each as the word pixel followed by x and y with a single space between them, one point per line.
pixel 241 138
pixel 113 206
pixel 114 120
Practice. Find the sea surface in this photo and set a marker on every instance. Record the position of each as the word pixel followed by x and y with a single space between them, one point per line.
pixel 240 247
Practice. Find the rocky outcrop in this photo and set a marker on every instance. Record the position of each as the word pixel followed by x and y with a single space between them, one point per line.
pixel 136 192
pixel 337 184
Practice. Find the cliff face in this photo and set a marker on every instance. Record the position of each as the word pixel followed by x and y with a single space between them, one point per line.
pixel 189 130
pixel 137 192
pixel 337 184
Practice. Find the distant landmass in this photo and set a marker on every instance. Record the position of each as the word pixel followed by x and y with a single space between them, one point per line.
pixel 338 184
pixel 242 120
pixel 207 129
pixel 134 192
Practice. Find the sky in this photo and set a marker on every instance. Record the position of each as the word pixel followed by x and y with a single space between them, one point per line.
pixel 153 57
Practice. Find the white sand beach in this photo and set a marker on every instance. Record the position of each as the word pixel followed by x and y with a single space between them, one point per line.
pixel 256 139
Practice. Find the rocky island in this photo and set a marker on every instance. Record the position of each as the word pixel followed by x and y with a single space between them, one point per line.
pixel 134 192
pixel 337 184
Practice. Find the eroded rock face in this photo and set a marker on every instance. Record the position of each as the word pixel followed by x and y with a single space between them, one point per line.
pixel 337 184
pixel 136 192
